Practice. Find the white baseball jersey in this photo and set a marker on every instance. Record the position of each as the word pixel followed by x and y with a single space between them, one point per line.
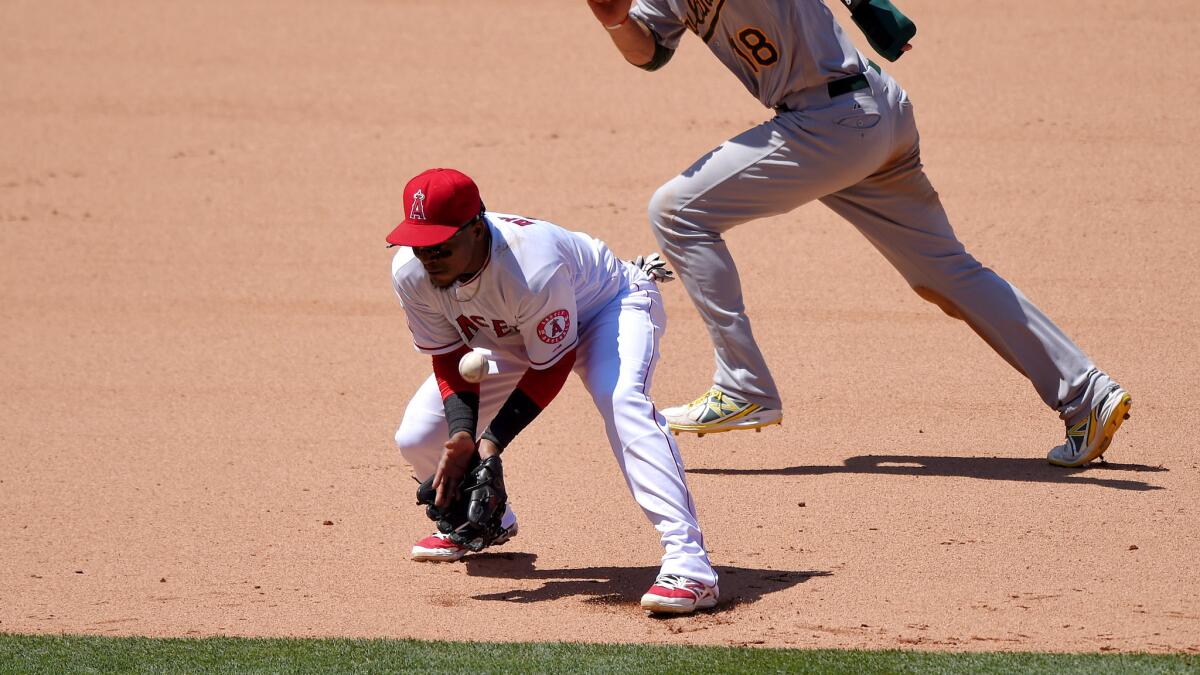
pixel 775 47
pixel 538 284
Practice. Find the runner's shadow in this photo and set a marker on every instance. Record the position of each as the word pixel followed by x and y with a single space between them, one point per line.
pixel 985 468
pixel 619 585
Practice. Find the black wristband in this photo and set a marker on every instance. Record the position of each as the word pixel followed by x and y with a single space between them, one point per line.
pixel 661 56
pixel 462 412
pixel 516 414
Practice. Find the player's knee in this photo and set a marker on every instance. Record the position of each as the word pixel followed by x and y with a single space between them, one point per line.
pixel 407 441
pixel 629 404
pixel 418 444
pixel 662 211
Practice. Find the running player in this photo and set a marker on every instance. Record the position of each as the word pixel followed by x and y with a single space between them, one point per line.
pixel 844 134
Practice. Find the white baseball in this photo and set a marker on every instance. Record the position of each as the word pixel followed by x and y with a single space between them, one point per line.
pixel 473 366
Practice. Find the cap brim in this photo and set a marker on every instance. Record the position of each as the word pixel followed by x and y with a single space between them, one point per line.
pixel 410 233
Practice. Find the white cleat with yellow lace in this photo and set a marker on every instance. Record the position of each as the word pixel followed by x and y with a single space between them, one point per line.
pixel 716 411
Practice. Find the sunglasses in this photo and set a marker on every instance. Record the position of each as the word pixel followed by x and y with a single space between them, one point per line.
pixel 443 250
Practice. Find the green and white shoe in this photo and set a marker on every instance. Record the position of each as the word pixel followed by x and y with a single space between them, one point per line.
pixel 716 411
pixel 1089 438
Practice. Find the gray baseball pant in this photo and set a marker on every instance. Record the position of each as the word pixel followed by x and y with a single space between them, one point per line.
pixel 859 154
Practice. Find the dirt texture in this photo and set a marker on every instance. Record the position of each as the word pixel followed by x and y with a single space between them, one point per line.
pixel 203 363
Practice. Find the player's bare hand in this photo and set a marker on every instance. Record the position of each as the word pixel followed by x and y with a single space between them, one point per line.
pixel 452 467
pixel 906 48
pixel 610 12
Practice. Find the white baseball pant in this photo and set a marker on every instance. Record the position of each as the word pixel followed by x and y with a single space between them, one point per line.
pixel 615 358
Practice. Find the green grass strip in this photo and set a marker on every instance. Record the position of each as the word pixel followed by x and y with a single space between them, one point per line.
pixel 79 654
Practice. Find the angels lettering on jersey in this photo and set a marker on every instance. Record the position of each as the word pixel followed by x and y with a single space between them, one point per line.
pixel 470 325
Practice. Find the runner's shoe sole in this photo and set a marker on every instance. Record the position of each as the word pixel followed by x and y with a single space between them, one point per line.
pixel 756 419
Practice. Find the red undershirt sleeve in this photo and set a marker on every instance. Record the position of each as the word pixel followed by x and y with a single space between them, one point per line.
pixel 532 394
pixel 543 385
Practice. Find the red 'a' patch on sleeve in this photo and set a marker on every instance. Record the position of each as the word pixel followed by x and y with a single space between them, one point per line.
pixel 554 327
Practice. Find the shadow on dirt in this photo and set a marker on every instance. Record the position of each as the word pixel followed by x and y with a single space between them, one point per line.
pixel 985 468
pixel 620 585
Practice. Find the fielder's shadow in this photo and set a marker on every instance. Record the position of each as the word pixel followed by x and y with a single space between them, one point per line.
pixel 619 585
pixel 985 468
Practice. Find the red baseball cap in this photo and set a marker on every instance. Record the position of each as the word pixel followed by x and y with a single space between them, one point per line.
pixel 437 203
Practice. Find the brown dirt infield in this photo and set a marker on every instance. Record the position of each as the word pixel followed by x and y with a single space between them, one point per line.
pixel 202 361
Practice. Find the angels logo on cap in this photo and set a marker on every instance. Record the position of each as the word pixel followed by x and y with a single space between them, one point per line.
pixel 438 203
pixel 417 212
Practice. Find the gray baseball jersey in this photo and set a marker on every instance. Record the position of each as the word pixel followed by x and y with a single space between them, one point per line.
pixel 774 48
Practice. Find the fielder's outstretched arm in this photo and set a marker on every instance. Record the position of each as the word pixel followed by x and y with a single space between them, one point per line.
pixel 530 397
pixel 460 399
pixel 532 394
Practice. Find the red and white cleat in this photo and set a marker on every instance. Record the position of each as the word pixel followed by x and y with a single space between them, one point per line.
pixel 438 547
pixel 673 594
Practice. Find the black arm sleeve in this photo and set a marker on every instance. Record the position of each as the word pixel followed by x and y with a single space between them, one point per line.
pixel 516 414
pixel 462 412
pixel 661 56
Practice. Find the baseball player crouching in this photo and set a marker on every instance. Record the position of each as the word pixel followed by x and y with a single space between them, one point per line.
pixel 536 302
pixel 843 133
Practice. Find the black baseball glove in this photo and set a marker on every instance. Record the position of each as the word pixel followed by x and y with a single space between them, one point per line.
pixel 472 519
pixel 886 27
